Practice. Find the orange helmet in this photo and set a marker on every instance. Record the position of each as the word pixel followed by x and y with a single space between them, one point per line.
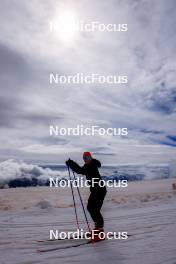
pixel 87 154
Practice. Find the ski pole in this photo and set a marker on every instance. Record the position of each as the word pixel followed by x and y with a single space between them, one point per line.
pixel 76 215
pixel 82 203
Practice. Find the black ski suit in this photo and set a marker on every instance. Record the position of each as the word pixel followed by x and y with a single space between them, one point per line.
pixel 97 194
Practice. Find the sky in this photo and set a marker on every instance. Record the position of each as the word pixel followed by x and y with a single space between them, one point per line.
pixel 146 53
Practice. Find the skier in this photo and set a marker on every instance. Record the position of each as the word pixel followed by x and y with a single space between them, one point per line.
pixel 97 195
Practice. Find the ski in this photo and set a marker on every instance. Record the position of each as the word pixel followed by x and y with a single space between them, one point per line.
pixel 67 238
pixel 66 247
pixel 60 239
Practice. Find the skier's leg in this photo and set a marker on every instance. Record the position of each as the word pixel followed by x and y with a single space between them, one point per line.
pixel 91 207
pixel 99 203
pixel 95 203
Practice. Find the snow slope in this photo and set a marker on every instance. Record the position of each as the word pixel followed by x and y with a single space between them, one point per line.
pixel 146 210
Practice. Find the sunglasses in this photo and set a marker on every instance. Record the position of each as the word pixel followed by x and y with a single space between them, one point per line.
pixel 87 158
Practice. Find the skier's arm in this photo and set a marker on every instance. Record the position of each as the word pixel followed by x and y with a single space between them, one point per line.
pixel 75 167
pixel 97 163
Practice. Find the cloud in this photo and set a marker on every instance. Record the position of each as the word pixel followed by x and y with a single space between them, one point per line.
pixel 15 173
pixel 12 169
pixel 146 106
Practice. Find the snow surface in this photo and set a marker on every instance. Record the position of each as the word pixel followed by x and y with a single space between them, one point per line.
pixel 145 209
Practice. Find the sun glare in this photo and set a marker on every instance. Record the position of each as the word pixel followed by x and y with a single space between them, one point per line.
pixel 65 25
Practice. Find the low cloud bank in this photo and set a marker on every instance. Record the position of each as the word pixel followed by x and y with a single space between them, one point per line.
pixel 20 174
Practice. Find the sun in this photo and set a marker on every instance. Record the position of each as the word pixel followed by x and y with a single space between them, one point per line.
pixel 65 25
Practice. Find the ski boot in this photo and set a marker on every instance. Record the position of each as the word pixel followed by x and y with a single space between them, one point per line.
pixel 98 234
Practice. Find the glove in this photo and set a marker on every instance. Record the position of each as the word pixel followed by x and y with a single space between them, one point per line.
pixel 68 162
